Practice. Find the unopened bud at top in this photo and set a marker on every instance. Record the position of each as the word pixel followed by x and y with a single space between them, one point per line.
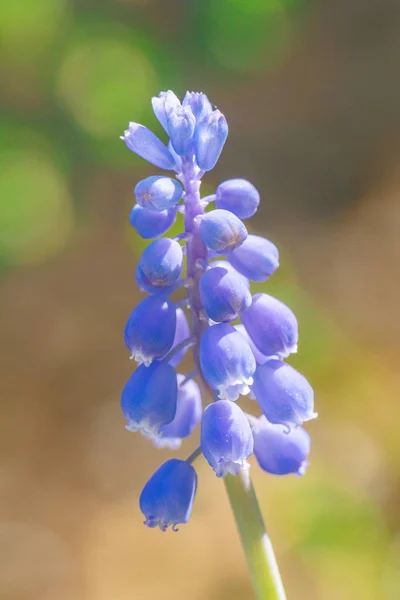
pixel 210 136
pixel 144 143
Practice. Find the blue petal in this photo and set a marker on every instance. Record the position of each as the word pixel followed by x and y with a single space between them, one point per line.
pixel 167 498
pixel 164 103
pixel 160 265
pixel 222 231
pixel 224 294
pixel 257 258
pixel 226 438
pixel 279 451
pixel 149 398
pixel 239 196
pixel 181 125
pixel 210 137
pixel 284 395
pixel 158 193
pixel 151 223
pixel 150 329
pixel 271 325
pixel 144 143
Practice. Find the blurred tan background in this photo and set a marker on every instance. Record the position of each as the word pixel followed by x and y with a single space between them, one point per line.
pixel 312 94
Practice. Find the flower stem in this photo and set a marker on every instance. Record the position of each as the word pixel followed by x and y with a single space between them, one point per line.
pixel 256 543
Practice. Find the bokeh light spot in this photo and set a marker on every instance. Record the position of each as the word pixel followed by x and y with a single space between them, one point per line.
pixel 103 81
pixel 36 215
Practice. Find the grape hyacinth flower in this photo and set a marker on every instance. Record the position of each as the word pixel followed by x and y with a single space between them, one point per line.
pixel 229 359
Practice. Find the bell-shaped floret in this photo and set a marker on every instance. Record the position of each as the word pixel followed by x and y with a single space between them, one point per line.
pixel 159 266
pixel 199 103
pixel 209 139
pixel 149 398
pixel 188 415
pixel 226 438
pixel 283 394
pixel 260 358
pixel 144 143
pixel 222 231
pixel 167 498
pixel 226 360
pixel 158 193
pixel 150 329
pixel 151 223
pixel 239 196
pixel 227 265
pixel 272 326
pixel 182 333
pixel 257 258
pixel 279 451
pixel 181 124
pixel 163 105
pixel 224 294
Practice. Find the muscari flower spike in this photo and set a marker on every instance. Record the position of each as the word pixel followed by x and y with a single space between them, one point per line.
pixel 229 361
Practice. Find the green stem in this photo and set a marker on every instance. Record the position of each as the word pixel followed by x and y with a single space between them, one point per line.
pixel 256 543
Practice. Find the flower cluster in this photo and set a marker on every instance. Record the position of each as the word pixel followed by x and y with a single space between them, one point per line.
pixel 230 359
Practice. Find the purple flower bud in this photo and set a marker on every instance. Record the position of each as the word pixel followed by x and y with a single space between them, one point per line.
pixel 149 398
pixel 188 415
pixel 158 193
pixel 159 266
pixel 224 294
pixel 182 332
pixel 227 363
pixel 167 498
pixel 181 124
pixel 279 451
pixel 222 231
pixel 163 104
pixel 151 223
pixel 272 326
pixel 239 196
pixel 144 143
pixel 260 358
pixel 257 258
pixel 199 103
pixel 284 395
pixel 211 133
pixel 226 438
pixel 149 332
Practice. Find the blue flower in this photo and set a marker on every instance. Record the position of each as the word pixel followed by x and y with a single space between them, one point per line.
pixel 191 300
pixel 149 398
pixel 158 193
pixel 257 258
pixel 239 196
pixel 222 231
pixel 151 223
pixel 159 266
pixel 227 362
pixel 226 438
pixel 272 326
pixel 167 498
pixel 279 451
pixel 150 329
pixel 284 395
pixel 224 294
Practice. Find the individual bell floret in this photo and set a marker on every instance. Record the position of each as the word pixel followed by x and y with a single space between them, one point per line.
pixel 257 258
pixel 227 362
pixel 150 223
pixel 226 438
pixel 222 231
pixel 149 398
pixel 272 326
pixel 167 498
pixel 283 394
pixel 150 329
pixel 144 143
pixel 279 451
pixel 224 294
pixel 159 266
pixel 158 193
pixel 210 135
pixel 239 196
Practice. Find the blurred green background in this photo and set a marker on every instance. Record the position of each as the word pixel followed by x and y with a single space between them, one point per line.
pixel 311 93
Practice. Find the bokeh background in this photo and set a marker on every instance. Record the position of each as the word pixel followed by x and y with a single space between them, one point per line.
pixel 312 94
